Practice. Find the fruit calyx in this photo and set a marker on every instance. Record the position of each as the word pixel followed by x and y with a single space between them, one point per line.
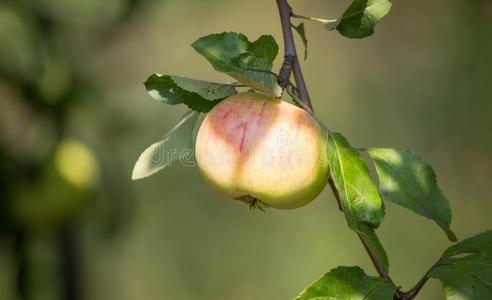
pixel 253 203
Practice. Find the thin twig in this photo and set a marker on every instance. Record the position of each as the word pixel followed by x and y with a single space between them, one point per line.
pixel 291 62
pixel 413 292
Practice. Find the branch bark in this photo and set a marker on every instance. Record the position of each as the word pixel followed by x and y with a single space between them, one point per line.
pixel 412 293
pixel 291 61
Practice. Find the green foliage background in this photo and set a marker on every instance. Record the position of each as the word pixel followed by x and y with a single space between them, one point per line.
pixel 422 82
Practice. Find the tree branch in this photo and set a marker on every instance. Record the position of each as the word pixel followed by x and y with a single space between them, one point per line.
pixel 414 291
pixel 291 65
pixel 291 62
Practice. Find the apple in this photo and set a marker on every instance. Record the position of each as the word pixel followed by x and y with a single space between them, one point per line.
pixel 64 189
pixel 263 151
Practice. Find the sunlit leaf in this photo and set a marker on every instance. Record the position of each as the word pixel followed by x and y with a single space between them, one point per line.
pixel 196 94
pixel 176 144
pixel 360 18
pixel 248 62
pixel 348 283
pixel 409 181
pixel 359 195
pixel 360 200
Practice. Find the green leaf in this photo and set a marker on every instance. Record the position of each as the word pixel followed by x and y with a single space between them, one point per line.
pixel 465 269
pixel 409 181
pixel 360 18
pixel 348 283
pixel 196 94
pixel 479 244
pixel 302 33
pixel 359 196
pixel 360 200
pixel 248 62
pixel 467 278
pixel 208 90
pixel 176 144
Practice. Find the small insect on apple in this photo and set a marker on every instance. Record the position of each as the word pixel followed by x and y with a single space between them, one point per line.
pixel 263 151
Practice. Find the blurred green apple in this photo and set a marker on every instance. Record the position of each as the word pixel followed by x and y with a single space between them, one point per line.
pixel 263 150
pixel 65 187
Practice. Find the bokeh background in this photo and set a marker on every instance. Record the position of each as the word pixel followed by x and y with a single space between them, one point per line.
pixel 74 117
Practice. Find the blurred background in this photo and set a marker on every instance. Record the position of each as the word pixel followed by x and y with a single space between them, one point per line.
pixel 74 116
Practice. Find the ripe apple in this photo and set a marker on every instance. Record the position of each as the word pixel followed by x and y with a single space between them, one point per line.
pixel 263 151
